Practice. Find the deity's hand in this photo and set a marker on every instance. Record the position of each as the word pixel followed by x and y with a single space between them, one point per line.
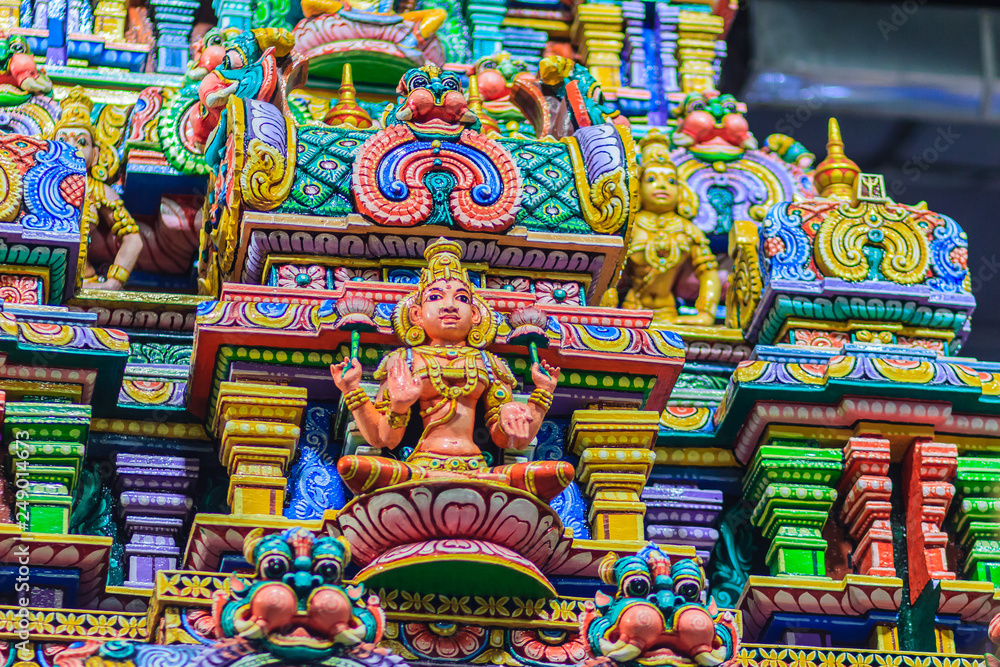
pixel 98 283
pixel 543 381
pixel 404 390
pixel 515 421
pixel 350 380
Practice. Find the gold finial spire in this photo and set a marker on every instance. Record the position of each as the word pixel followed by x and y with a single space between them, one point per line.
pixel 476 107
pixel 835 176
pixel 347 111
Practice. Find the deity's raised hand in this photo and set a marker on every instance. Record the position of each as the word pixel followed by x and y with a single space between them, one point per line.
pixel 404 390
pixel 350 380
pixel 543 381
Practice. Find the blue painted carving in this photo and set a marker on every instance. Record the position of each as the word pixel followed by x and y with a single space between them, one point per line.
pixel 572 510
pixel 314 483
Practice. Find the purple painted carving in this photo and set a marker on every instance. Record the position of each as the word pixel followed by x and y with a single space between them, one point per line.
pixel 155 501
pixel 677 514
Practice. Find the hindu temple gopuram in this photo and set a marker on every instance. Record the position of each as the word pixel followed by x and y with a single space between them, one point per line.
pixel 390 333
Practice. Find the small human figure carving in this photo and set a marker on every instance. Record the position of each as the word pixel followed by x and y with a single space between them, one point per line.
pixel 664 240
pixel 445 370
pixel 102 203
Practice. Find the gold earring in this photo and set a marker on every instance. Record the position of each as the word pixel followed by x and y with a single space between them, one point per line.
pixel 414 336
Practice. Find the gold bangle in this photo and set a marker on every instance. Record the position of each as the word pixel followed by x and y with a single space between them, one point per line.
pixel 541 398
pixel 397 420
pixel 355 399
pixel 119 273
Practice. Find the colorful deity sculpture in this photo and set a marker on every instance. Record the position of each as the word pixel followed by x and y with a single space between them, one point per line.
pixel 496 78
pixel 658 616
pixel 20 77
pixel 445 369
pixel 664 240
pixel 121 240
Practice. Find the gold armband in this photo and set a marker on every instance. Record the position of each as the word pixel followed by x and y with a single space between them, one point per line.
pixel 396 420
pixel 119 273
pixel 122 222
pixel 355 399
pixel 541 398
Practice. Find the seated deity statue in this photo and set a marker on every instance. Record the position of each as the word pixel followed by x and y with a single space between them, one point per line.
pixel 445 369
pixel 665 240
pixel 426 22
pixel 103 210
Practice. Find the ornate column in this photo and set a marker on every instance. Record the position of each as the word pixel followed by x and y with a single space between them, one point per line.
pixel 597 35
pixel 866 490
pixel 928 469
pixel 696 49
pixel 485 17
pixel 258 426
pixel 233 13
pixel 155 501
pixel 172 23
pixel 46 448
pixel 976 521
pixel 789 488
pixel 109 19
pixel 616 456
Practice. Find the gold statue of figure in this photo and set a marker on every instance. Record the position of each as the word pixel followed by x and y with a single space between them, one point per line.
pixel 101 203
pixel 446 370
pixel 664 239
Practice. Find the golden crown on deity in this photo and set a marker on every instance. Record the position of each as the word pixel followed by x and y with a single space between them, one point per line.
pixel 654 151
pixel 444 263
pixel 76 110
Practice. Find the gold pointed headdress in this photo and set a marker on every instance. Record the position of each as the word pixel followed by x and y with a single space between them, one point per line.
pixel 76 108
pixel 654 152
pixel 444 263
pixel 76 113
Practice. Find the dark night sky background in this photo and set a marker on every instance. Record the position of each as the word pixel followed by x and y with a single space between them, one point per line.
pixel 963 181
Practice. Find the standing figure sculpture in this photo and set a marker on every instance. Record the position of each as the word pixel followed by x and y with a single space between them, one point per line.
pixel 665 239
pixel 102 203
pixel 446 369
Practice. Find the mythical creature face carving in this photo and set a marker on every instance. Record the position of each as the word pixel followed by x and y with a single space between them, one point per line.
pixel 297 609
pixel 658 615
pixel 712 128
pixel 209 52
pixel 432 104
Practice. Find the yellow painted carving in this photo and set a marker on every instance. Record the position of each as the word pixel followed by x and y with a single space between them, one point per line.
pixel 746 282
pixel 267 176
pixel 10 189
pixel 842 240
pixel 608 203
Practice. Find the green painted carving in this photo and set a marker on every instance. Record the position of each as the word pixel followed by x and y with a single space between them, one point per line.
pixel 94 514
pixel 734 552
